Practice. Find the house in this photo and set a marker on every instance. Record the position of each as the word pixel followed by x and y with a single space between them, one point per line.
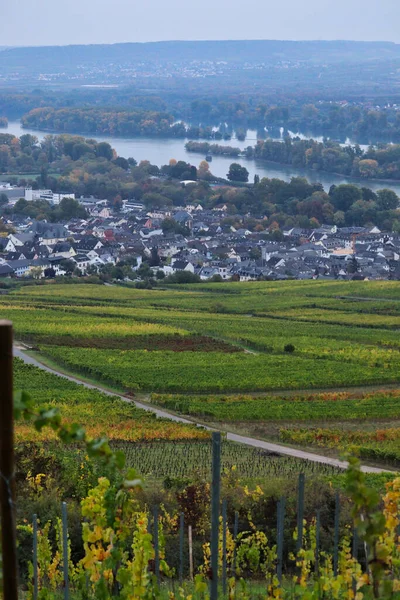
pixel 184 218
pixel 18 239
pixel 180 265
pixel 17 255
pixel 149 233
pixel 63 249
pixel 207 272
pixel 22 267
pixel 48 233
pixel 6 271
pixel 82 262
pixel 86 244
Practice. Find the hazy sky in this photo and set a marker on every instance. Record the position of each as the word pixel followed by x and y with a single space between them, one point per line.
pixel 44 22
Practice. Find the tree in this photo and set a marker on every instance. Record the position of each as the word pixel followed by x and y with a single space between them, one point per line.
pixel 368 194
pixel 120 161
pixel 49 273
pixel 155 200
pixel 35 272
pixel 20 205
pixel 277 235
pixel 117 203
pixel 368 167
pixel 204 170
pixel 118 273
pixel 154 259
pixel 43 176
pixel 71 209
pixel 345 195
pixel 314 223
pixel 238 173
pixel 92 270
pixel 183 277
pixel 169 225
pixel 387 199
pixel 28 141
pixel 339 218
pixel 104 150
pixel 255 253
pixel 128 260
pixel 3 198
pixel 352 266
pixel 144 271
pixel 67 265
pixel 180 170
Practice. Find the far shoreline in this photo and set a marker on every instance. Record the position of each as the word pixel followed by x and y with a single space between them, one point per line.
pixel 357 180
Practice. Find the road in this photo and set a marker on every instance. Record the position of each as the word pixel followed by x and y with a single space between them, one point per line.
pixel 248 441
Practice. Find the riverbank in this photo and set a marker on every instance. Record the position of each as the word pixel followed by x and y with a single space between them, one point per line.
pixel 159 151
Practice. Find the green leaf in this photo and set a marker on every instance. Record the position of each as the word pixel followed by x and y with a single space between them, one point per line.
pixel 22 404
pixel 120 459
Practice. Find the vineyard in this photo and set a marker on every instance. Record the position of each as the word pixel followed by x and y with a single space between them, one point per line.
pixel 102 414
pixel 310 363
pixel 180 460
pixel 329 406
pixel 329 560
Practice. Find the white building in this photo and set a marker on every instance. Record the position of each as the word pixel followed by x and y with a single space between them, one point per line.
pixel 32 195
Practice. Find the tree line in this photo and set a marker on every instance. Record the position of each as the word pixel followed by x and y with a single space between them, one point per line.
pixel 67 163
pixel 213 115
pixel 381 161
pixel 213 149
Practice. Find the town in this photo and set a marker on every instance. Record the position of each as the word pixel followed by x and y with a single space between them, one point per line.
pixel 185 244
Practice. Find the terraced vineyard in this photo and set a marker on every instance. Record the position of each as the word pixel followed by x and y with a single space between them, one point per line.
pixel 101 414
pixel 168 459
pixel 158 448
pixel 246 356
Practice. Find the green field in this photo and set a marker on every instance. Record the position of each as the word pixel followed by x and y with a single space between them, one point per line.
pixel 219 353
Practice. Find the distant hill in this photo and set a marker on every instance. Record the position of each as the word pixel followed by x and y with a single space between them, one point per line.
pixel 268 51
pixel 332 69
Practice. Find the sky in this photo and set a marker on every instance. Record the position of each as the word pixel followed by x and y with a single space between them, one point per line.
pixel 60 22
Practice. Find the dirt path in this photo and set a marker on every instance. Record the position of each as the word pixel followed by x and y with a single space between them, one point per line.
pixel 248 441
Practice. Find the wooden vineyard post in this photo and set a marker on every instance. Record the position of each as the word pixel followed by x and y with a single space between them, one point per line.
pixel 280 527
pixel 181 539
pixel 224 526
pixel 354 550
pixel 215 497
pixel 354 553
pixel 336 535
pixel 35 557
pixel 300 512
pixel 317 540
pixel 235 534
pixel 156 545
pixel 65 549
pixel 7 482
pixel 190 542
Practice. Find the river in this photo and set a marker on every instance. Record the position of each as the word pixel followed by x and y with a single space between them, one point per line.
pixel 160 150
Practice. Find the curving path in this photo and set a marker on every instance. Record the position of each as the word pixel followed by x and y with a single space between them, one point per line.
pixel 248 441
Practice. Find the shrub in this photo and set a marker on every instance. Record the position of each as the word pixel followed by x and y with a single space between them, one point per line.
pixel 289 348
